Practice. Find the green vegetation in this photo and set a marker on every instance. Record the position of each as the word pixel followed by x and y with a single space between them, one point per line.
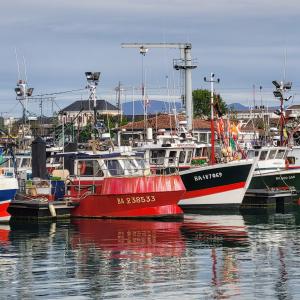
pixel 201 100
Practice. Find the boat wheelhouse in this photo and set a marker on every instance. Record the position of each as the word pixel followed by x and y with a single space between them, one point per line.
pixel 269 158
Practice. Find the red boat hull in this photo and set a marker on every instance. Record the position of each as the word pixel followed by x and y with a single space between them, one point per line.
pixel 133 197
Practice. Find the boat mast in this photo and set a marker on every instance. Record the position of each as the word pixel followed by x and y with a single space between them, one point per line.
pixel 23 93
pixel 212 126
pixel 93 80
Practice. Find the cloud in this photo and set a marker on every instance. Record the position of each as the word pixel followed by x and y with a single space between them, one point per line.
pixel 242 41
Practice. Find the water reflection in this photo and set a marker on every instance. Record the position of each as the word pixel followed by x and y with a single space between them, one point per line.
pixel 4 235
pixel 216 230
pixel 129 238
pixel 202 256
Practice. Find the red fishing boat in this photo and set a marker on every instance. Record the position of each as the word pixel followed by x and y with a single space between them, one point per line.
pixel 120 185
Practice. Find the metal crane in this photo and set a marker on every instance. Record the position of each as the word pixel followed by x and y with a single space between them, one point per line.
pixel 185 64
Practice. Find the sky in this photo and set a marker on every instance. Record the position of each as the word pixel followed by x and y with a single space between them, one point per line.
pixel 246 43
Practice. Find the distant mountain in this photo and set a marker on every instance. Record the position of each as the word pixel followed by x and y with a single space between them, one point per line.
pixel 154 106
pixel 237 107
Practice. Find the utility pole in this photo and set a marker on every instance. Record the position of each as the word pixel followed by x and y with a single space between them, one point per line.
pixel 212 126
pixel 119 90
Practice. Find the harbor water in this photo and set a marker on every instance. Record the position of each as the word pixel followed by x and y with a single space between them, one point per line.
pixel 241 256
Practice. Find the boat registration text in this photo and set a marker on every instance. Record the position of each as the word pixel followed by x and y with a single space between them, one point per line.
pixel 207 176
pixel 134 200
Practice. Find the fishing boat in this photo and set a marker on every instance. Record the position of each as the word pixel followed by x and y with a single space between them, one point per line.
pixel 219 186
pixel 8 188
pixel 274 170
pixel 120 185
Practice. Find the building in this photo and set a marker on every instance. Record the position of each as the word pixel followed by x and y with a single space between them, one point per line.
pixel 293 111
pixel 201 127
pixel 256 113
pixel 81 112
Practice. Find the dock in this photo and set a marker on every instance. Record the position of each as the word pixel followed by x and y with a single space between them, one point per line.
pixel 268 198
pixel 40 209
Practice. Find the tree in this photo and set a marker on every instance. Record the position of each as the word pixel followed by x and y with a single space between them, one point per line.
pixel 201 99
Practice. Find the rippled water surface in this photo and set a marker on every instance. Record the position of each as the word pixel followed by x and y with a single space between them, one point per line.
pixel 244 256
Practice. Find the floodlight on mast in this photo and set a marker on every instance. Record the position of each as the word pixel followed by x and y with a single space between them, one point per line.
pixel 93 80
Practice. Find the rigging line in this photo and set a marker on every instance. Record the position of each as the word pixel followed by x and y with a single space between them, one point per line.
pixel 25 69
pixel 58 93
pixel 18 66
pixel 13 108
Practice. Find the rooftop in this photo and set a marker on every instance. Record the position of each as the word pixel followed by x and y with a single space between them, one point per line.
pixel 87 105
pixel 165 121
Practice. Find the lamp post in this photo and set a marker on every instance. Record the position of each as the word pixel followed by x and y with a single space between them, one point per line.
pixel 212 127
pixel 23 92
pixel 93 80
pixel 281 89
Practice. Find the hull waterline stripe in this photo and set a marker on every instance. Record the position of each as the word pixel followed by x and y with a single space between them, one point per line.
pixel 214 190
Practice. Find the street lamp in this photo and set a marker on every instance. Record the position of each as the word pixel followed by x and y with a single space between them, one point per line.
pixel 281 89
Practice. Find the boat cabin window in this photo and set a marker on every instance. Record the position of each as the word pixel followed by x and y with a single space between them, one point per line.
pixel 272 154
pixel 181 157
pixel 18 160
pixel 157 156
pixel 189 157
pixel 25 162
pixel 252 153
pixel 89 168
pixel 280 154
pixel 114 167
pixel 172 157
pixel 141 164
pixel 130 166
pixel 198 152
pixel 263 155
pixel 5 162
